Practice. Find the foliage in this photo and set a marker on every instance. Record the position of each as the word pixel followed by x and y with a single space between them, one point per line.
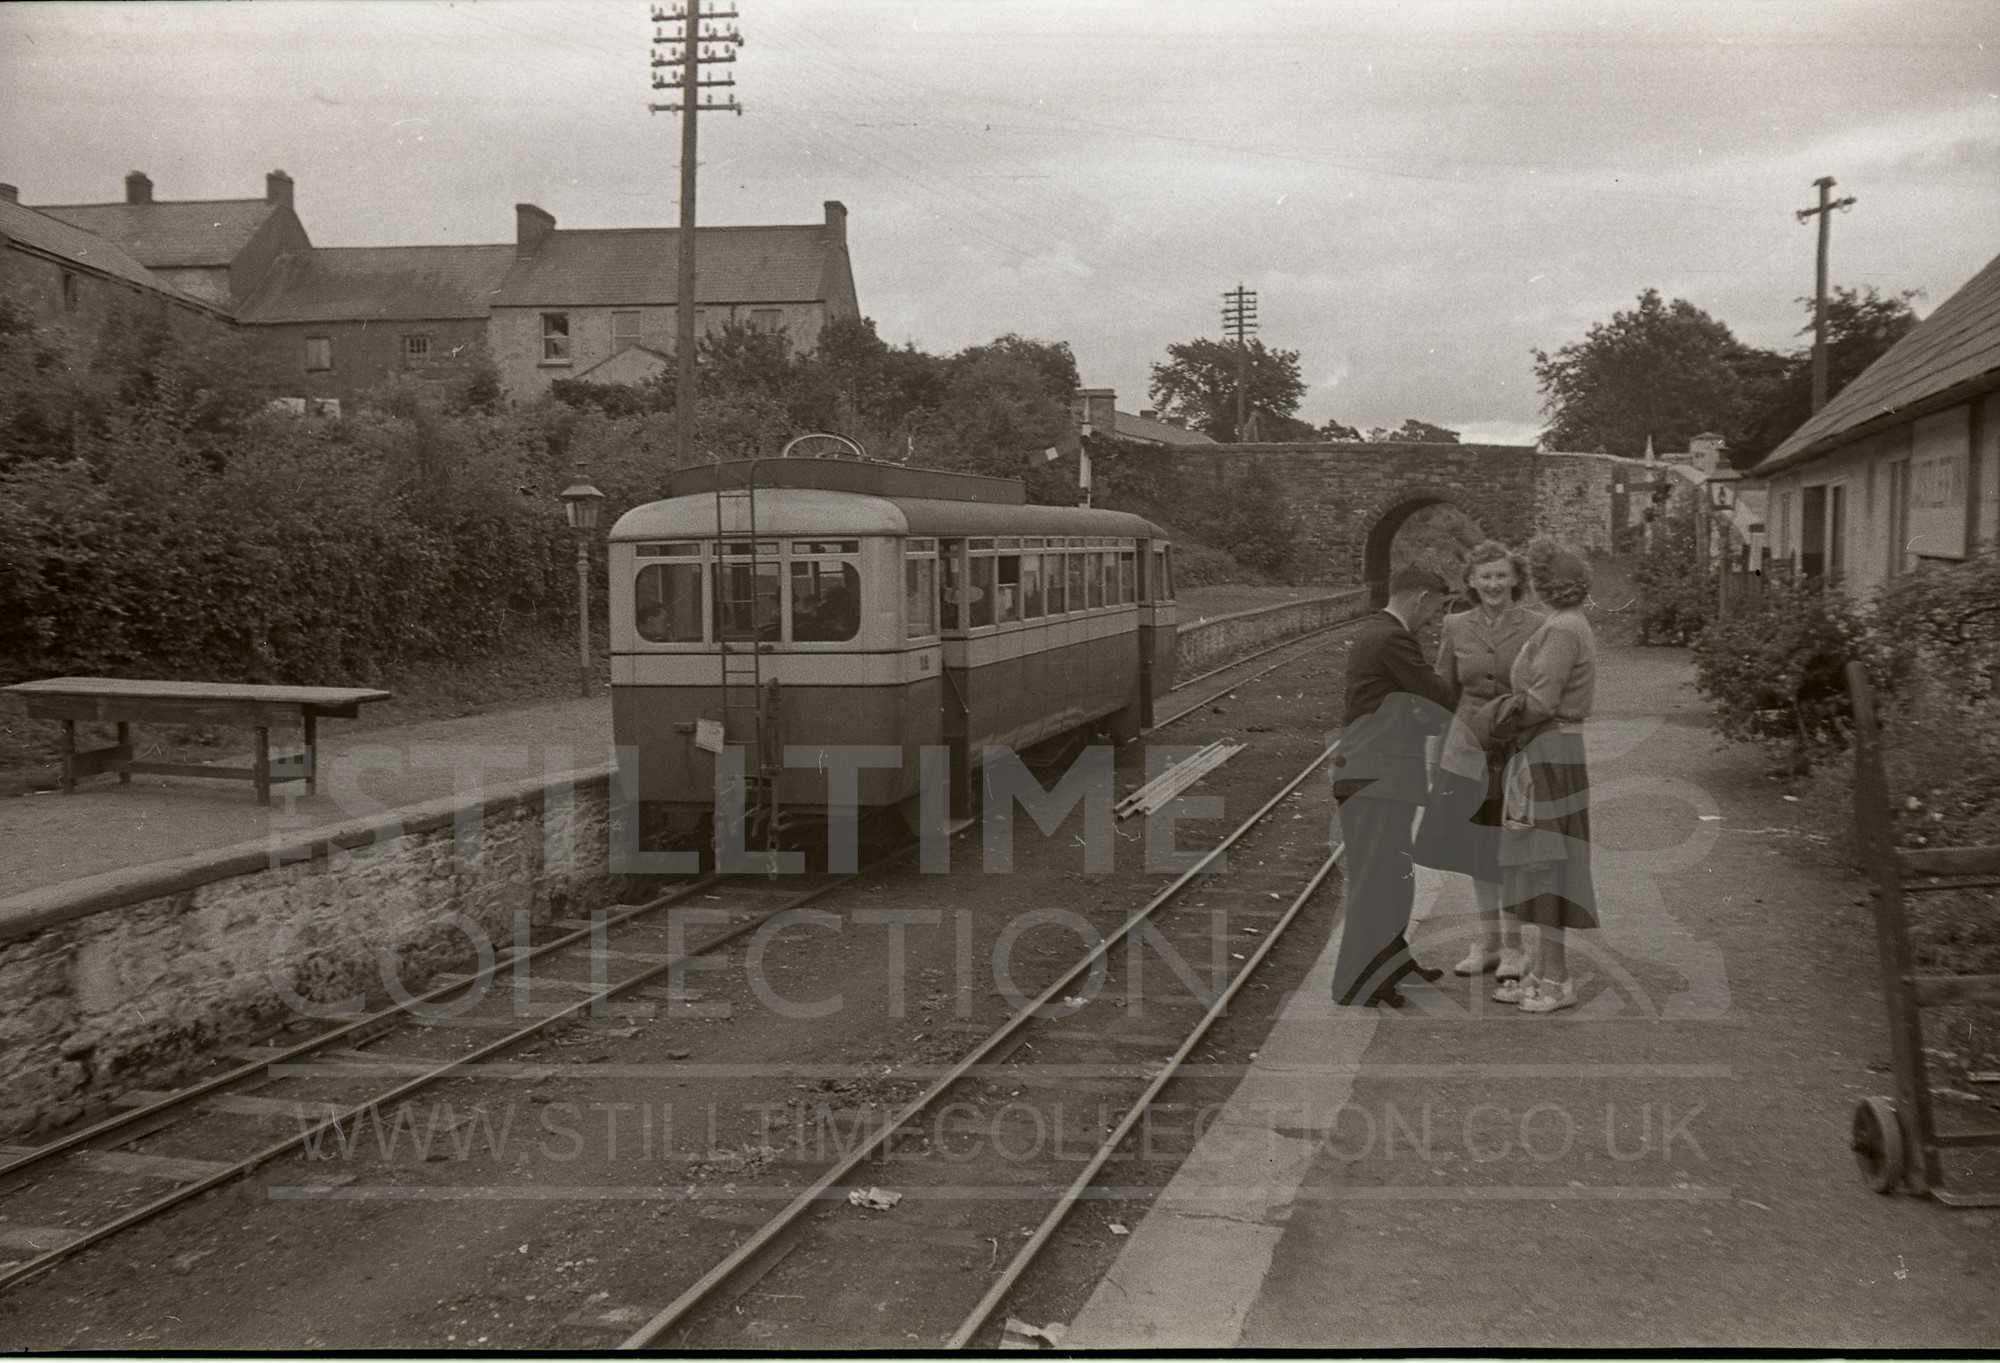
pixel 1334 430
pixel 1775 671
pixel 1676 591
pixel 1423 433
pixel 1860 326
pixel 1435 537
pixel 1663 370
pixel 1197 381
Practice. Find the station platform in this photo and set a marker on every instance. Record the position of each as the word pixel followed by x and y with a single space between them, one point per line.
pixel 48 837
pixel 1664 1166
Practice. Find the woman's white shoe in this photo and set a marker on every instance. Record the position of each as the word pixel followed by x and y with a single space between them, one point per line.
pixel 1515 991
pixel 1548 997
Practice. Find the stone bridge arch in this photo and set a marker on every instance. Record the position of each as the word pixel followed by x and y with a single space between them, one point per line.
pixel 1388 515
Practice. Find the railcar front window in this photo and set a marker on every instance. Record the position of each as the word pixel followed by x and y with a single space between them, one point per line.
pixel 746 601
pixel 826 601
pixel 666 603
pixel 980 605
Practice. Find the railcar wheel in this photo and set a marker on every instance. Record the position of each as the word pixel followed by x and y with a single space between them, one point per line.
pixel 1877 1140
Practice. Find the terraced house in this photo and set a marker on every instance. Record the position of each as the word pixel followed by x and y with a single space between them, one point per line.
pixel 594 304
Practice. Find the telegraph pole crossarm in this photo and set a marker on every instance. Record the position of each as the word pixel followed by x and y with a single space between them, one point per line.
pixel 1239 319
pixel 1824 212
pixel 701 44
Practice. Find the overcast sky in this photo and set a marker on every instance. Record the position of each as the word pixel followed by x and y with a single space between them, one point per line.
pixel 1420 193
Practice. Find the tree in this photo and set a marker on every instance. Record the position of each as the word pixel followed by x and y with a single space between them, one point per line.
pixel 1860 326
pixel 1197 381
pixel 1662 371
pixel 1424 433
pixel 1333 430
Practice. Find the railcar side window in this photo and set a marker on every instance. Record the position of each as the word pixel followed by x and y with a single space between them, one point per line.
pixel 980 606
pixel 1077 598
pixel 746 601
pixel 666 603
pixel 1093 578
pixel 951 569
pixel 1031 586
pixel 1007 594
pixel 1128 577
pixel 826 601
pixel 1052 574
pixel 920 579
pixel 1167 570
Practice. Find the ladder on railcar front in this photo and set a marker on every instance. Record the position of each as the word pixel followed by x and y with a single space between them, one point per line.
pixel 749 705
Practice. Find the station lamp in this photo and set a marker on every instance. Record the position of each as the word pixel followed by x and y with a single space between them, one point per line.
pixel 581 502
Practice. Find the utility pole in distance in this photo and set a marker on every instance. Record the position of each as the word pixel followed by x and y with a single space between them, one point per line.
pixel 1239 318
pixel 1825 214
pixel 699 46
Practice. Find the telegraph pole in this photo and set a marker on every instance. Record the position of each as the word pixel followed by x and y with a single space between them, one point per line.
pixel 699 45
pixel 1825 215
pixel 1239 318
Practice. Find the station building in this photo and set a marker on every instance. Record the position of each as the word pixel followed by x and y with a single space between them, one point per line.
pixel 1902 467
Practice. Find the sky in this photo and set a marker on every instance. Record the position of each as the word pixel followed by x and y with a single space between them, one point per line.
pixel 1421 193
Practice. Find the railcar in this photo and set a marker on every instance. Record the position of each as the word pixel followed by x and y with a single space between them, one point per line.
pixel 770 611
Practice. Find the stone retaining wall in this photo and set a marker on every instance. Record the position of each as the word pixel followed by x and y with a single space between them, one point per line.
pixel 1209 643
pixel 129 979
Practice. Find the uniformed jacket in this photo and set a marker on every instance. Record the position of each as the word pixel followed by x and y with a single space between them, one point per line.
pixel 1394 702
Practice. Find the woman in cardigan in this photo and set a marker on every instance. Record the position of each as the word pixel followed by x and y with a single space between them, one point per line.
pixel 1545 833
pixel 1461 826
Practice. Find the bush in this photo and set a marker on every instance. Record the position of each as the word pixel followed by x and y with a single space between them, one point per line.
pixel 1676 591
pixel 1775 673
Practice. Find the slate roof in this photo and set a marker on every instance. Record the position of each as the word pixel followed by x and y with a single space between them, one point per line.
pixel 35 228
pixel 1134 427
pixel 164 233
pixel 369 283
pixel 629 267
pixel 1951 355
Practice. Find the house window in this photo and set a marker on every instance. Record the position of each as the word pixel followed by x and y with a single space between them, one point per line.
pixel 69 290
pixel 416 350
pixel 767 319
pixel 319 352
pixel 624 328
pixel 555 338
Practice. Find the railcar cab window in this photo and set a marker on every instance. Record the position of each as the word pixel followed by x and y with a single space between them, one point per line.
pixel 920 582
pixel 747 593
pixel 666 597
pixel 826 591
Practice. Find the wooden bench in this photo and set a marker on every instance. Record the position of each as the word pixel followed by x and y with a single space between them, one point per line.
pixel 124 702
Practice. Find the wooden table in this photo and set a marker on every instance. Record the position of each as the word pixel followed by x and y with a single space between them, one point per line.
pixel 124 702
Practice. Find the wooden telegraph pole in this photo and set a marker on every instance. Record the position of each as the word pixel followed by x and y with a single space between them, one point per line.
pixel 1825 215
pixel 699 46
pixel 1239 318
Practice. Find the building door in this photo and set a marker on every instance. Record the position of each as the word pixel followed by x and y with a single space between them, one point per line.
pixel 1836 532
pixel 1899 516
pixel 1812 532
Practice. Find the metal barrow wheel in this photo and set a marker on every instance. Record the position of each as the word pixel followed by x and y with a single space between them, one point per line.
pixel 1877 1140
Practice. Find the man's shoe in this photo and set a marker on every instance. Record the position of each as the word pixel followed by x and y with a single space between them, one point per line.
pixel 1390 997
pixel 1428 974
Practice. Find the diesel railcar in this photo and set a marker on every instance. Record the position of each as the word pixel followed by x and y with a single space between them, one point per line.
pixel 777 609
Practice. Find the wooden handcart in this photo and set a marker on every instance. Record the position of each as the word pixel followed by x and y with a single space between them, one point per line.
pixel 1896 1140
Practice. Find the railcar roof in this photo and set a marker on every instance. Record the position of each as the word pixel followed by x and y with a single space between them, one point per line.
pixel 818 512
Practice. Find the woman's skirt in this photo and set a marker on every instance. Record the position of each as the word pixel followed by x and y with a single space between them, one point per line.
pixel 1460 831
pixel 1545 868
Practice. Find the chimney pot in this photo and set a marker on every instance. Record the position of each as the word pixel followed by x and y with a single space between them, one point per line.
pixel 10 194
pixel 138 187
pixel 836 220
pixel 278 188
pixel 532 227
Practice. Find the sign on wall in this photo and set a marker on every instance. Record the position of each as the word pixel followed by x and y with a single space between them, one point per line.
pixel 1937 485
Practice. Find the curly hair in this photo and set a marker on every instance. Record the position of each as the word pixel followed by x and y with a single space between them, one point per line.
pixel 1492 551
pixel 1562 575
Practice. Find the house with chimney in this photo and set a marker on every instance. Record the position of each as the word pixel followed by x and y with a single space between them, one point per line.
pixel 62 276
pixel 1096 409
pixel 602 304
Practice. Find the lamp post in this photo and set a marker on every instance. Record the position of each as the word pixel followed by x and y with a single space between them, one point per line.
pixel 580 503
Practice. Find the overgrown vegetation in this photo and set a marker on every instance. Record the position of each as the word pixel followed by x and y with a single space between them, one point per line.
pixel 1675 589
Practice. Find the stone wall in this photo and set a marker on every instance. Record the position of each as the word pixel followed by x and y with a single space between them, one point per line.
pixel 1351 498
pixel 130 979
pixel 1210 643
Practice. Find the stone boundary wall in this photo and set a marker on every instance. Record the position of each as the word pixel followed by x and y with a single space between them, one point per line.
pixel 1209 643
pixel 132 978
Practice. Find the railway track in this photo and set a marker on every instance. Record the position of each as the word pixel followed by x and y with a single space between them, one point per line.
pixel 950 1195
pixel 64 1196
pixel 67 1195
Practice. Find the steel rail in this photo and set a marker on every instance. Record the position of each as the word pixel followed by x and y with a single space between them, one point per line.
pixel 1240 683
pixel 182 1097
pixel 447 1069
pixel 721 1272
pixel 1028 1252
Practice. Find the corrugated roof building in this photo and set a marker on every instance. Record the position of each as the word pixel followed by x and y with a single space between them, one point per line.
pixel 1903 465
